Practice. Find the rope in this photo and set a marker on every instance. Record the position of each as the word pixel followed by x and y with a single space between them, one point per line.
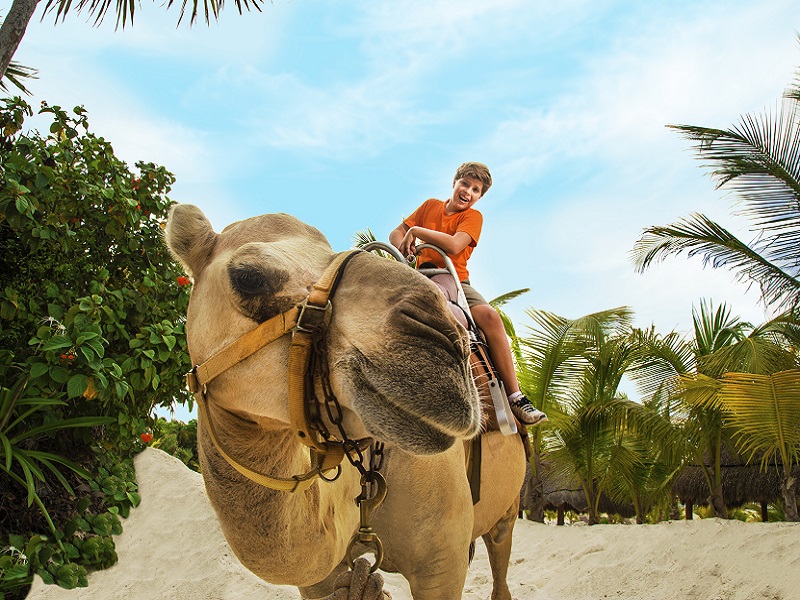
pixel 359 584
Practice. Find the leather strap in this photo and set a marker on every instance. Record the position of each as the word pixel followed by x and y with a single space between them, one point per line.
pixel 306 320
pixel 250 343
pixel 297 483
pixel 311 320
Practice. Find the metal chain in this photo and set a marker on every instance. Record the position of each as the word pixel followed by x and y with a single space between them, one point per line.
pixel 319 370
pixel 373 485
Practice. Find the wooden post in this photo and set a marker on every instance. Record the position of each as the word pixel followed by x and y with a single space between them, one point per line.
pixel 689 511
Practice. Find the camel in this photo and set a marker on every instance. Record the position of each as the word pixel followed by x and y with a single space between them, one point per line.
pixel 398 364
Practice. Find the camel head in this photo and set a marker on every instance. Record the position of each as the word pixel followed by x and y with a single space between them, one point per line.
pixel 397 357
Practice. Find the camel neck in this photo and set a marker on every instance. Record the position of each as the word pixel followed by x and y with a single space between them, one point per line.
pixel 299 536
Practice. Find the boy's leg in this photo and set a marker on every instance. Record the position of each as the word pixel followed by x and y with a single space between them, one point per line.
pixel 500 352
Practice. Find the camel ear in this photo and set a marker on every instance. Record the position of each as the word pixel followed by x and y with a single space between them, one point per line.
pixel 190 237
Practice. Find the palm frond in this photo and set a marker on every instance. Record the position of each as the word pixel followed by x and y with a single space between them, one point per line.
pixel 785 325
pixel 125 9
pixel 758 159
pixel 15 73
pixel 552 357
pixel 700 391
pixel 761 354
pixel 699 235
pixel 663 359
pixel 504 299
pixel 714 329
pixel 362 237
pixel 765 411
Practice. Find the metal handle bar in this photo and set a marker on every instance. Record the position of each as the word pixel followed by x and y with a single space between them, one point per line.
pixel 449 269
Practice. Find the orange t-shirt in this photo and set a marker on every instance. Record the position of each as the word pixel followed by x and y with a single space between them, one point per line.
pixel 431 215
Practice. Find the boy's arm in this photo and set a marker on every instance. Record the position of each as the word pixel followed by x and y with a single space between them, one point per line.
pixel 397 235
pixel 451 244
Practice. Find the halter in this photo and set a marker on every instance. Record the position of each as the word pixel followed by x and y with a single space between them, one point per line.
pixel 307 324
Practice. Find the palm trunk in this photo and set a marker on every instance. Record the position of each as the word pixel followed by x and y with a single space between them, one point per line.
pixel 717 502
pixel 13 29
pixel 637 506
pixel 788 484
pixel 714 478
pixel 536 513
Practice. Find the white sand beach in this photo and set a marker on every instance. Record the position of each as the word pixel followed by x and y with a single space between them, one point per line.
pixel 172 549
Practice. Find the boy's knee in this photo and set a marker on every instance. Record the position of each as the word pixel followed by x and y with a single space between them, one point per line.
pixel 486 316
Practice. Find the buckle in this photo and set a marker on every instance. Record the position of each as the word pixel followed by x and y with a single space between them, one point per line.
pixel 312 317
pixel 191 380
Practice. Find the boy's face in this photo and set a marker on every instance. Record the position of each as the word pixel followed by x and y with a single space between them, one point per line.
pixel 466 192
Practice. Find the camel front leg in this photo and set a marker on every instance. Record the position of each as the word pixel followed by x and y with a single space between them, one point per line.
pixel 498 546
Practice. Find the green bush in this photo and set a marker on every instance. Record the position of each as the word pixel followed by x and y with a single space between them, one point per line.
pixel 91 337
pixel 178 439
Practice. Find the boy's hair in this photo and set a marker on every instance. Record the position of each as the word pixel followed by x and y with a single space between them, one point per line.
pixel 477 170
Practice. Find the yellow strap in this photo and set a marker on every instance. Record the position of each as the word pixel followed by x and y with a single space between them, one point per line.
pixel 327 455
pixel 298 483
pixel 299 356
pixel 235 352
pixel 300 353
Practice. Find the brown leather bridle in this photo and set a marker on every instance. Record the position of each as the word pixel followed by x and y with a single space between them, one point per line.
pixel 307 323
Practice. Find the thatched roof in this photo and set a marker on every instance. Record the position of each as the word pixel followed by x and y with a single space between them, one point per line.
pixel 741 482
pixel 568 495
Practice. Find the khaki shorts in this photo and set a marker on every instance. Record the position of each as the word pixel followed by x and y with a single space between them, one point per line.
pixel 474 297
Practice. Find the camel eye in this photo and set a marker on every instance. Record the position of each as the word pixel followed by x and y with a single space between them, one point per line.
pixel 248 280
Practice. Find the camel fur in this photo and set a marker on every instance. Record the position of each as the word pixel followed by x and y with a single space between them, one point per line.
pixel 399 366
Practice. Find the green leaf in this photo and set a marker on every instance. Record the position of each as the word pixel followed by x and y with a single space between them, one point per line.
pixel 59 374
pixel 39 369
pixel 85 335
pixel 169 340
pixel 57 342
pixel 97 347
pixel 46 576
pixel 16 572
pixel 55 311
pixel 76 385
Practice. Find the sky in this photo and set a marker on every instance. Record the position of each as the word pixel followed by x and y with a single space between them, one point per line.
pixel 349 114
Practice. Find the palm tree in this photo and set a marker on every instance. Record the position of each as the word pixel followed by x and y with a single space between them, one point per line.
pixel 745 393
pixel 705 428
pixel 759 160
pixel 765 411
pixel 21 12
pixel 573 369
pixel 722 346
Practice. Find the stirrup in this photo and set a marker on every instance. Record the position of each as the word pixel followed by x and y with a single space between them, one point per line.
pixel 502 409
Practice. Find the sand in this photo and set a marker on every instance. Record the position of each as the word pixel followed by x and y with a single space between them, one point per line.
pixel 172 548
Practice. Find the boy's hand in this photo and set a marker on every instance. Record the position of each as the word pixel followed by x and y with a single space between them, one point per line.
pixel 408 247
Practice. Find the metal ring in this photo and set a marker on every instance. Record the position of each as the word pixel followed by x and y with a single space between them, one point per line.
pixel 378 552
pixel 335 477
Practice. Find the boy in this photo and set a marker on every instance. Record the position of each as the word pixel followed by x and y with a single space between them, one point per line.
pixel 455 227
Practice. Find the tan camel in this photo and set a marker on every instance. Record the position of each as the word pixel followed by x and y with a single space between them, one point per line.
pixel 398 364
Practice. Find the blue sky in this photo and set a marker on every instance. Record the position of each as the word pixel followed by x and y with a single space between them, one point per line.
pixel 349 114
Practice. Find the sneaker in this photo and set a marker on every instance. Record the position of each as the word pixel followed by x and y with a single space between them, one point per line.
pixel 526 412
